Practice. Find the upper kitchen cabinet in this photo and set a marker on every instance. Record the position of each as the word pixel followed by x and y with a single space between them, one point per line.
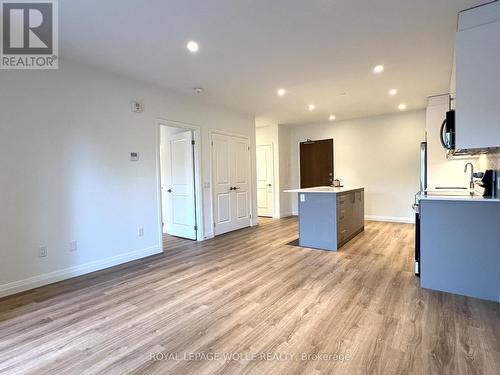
pixel 478 77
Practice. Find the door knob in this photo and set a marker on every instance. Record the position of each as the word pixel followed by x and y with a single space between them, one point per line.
pixel 231 188
pixel 236 188
pixel 169 190
pixel 269 185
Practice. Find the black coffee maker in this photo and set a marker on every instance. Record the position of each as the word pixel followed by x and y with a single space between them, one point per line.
pixel 487 184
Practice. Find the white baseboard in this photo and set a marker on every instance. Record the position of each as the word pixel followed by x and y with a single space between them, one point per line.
pixel 67 273
pixel 391 219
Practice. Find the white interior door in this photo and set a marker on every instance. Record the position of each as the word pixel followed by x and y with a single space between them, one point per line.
pixel 231 183
pixel 265 176
pixel 179 188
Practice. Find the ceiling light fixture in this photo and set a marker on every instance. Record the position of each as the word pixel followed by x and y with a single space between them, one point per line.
pixel 312 107
pixel 393 92
pixel 192 46
pixel 331 118
pixel 281 92
pixel 402 106
pixel 198 90
pixel 378 69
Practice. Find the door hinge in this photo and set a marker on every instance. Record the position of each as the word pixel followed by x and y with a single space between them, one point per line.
pixel 196 227
pixel 193 142
pixel 212 143
pixel 248 148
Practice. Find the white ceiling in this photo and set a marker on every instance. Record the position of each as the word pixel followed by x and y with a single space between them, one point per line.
pixel 316 49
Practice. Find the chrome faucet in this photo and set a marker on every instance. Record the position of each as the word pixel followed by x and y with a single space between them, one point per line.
pixel 471 183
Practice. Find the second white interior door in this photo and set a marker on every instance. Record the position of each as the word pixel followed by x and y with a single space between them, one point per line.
pixel 178 188
pixel 231 183
pixel 265 176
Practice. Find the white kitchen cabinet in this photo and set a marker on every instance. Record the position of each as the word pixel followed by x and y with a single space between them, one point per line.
pixel 478 78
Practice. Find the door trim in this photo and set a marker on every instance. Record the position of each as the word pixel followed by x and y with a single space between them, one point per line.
pixel 272 178
pixel 211 132
pixel 197 174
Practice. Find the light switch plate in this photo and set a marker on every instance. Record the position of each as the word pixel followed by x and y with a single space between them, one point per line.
pixel 302 197
pixel 42 251
pixel 137 107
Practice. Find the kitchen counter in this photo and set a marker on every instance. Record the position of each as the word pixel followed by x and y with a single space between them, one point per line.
pixel 458 198
pixel 459 246
pixel 326 189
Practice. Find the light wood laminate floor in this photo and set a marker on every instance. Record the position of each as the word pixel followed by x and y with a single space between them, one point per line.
pixel 250 295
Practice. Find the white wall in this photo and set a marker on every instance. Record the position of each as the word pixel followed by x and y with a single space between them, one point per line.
pixel 380 153
pixel 284 133
pixel 65 139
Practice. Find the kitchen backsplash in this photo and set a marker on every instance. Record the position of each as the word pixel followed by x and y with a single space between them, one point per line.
pixel 489 161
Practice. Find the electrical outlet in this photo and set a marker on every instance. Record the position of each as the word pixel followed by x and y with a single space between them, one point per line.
pixel 73 246
pixel 141 232
pixel 42 251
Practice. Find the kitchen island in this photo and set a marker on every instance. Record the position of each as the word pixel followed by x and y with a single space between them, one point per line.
pixel 329 217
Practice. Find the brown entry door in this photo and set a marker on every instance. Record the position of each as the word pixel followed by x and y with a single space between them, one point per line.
pixel 316 163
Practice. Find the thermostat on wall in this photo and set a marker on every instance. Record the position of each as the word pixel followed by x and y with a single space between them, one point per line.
pixel 134 156
pixel 137 107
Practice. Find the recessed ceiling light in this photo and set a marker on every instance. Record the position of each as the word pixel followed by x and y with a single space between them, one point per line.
pixel 393 92
pixel 312 107
pixel 378 69
pixel 331 118
pixel 198 90
pixel 192 46
pixel 402 106
pixel 281 92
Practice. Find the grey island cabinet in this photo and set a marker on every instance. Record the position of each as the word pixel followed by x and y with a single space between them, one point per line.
pixel 329 217
pixel 460 245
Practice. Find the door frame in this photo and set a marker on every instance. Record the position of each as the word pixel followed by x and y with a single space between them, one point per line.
pixel 211 132
pixel 272 177
pixel 198 194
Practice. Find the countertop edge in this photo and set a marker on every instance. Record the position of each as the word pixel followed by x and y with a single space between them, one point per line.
pixel 338 191
pixel 459 199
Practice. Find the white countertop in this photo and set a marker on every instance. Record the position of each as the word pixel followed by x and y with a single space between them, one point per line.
pixel 458 198
pixel 326 189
